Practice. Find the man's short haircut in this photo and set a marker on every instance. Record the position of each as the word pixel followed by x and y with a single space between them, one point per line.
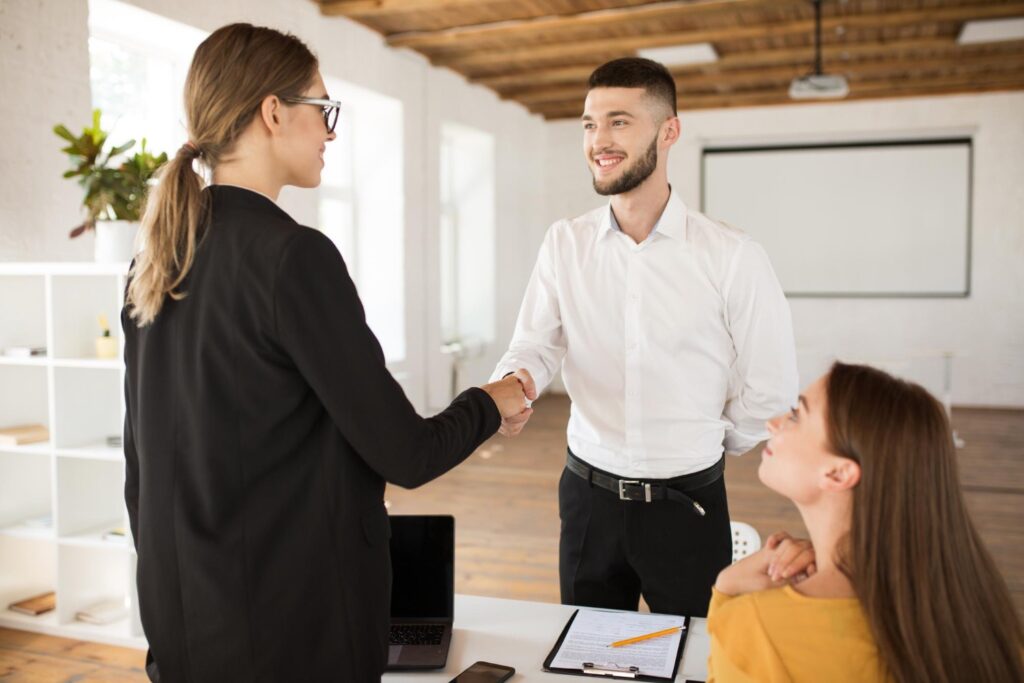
pixel 637 72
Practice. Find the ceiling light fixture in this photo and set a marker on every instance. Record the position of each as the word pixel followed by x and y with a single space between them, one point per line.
pixel 992 31
pixel 681 55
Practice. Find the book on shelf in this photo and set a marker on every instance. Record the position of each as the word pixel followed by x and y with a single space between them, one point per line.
pixel 23 434
pixel 24 351
pixel 36 605
pixel 104 612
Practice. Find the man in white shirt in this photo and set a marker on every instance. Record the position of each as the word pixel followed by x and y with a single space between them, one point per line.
pixel 676 345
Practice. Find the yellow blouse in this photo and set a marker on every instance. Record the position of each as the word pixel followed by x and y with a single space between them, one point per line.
pixel 780 635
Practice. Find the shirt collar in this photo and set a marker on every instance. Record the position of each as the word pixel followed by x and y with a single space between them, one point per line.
pixel 671 223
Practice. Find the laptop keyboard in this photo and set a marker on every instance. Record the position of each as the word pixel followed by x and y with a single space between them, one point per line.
pixel 417 634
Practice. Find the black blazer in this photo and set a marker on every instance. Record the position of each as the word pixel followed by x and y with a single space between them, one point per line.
pixel 261 427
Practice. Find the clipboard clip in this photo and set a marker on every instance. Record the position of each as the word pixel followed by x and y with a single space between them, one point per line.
pixel 610 670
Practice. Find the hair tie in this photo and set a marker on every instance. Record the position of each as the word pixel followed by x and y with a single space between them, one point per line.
pixel 191 149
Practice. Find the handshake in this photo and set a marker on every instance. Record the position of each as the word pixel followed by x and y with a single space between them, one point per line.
pixel 513 395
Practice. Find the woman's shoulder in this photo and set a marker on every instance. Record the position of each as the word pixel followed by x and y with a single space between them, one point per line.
pixel 253 222
pixel 778 603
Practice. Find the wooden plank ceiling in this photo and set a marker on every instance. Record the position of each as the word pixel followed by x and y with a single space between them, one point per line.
pixel 540 52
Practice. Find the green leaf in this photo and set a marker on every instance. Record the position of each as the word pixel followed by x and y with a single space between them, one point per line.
pixel 63 132
pixel 120 149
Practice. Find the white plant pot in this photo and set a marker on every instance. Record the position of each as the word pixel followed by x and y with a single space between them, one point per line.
pixel 115 241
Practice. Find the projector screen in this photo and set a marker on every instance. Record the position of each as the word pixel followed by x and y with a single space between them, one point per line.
pixel 885 219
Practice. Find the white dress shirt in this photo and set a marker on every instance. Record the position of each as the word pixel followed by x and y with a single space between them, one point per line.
pixel 673 350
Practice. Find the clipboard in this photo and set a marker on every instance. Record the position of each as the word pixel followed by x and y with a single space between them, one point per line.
pixel 622 672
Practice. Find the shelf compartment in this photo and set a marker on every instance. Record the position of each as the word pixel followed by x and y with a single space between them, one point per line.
pixel 77 301
pixel 25 494
pixel 90 495
pixel 29 569
pixel 23 400
pixel 24 320
pixel 86 576
pixel 87 406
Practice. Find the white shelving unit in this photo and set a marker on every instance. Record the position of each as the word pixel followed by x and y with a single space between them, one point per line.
pixel 75 480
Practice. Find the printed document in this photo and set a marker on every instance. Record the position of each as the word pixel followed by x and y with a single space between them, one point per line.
pixel 593 631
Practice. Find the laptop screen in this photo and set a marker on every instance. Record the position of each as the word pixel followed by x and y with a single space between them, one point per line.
pixel 423 567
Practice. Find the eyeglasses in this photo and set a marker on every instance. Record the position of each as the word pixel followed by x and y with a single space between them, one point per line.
pixel 329 109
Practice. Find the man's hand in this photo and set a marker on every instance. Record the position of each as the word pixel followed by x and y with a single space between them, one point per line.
pixel 511 426
pixel 783 560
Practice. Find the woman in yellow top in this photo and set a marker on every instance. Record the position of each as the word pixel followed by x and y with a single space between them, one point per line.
pixel 901 587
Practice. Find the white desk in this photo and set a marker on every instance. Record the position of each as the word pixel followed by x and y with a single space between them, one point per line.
pixel 521 634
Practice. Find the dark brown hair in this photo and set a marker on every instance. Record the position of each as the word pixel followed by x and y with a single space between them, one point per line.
pixel 232 71
pixel 936 604
pixel 637 72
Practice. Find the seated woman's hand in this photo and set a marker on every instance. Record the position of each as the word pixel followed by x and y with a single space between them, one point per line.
pixel 782 560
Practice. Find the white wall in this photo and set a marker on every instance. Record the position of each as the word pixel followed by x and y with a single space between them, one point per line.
pixel 44 74
pixel 986 329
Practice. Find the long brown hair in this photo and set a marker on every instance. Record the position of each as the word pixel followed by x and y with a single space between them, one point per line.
pixel 232 71
pixel 936 604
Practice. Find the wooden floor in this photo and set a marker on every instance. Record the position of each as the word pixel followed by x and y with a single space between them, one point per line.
pixel 504 501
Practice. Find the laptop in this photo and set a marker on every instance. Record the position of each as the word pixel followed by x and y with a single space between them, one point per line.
pixel 422 591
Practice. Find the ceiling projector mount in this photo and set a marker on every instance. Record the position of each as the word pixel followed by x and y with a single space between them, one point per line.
pixel 818 85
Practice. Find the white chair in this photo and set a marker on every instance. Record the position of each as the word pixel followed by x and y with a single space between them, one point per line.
pixel 745 540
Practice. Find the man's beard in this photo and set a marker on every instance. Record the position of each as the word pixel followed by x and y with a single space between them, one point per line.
pixel 632 177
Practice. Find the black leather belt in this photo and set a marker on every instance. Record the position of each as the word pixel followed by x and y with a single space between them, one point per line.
pixel 641 491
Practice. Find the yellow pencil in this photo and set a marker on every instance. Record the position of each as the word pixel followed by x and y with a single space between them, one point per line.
pixel 647 636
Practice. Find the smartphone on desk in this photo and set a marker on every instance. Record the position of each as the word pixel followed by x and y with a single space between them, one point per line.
pixel 484 672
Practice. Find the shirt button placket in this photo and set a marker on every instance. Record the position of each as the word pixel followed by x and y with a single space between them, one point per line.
pixel 632 363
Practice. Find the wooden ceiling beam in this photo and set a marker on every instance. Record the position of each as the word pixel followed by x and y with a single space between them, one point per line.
pixel 800 55
pixel 463 36
pixel 369 8
pixel 880 89
pixel 1012 61
pixel 628 44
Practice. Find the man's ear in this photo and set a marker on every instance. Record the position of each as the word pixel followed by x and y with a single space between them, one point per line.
pixel 841 474
pixel 270 113
pixel 670 131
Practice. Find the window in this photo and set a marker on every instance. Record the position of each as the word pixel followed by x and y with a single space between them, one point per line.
pixel 467 236
pixel 138 63
pixel 361 206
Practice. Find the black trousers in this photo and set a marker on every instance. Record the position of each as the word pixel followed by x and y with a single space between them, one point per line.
pixel 613 551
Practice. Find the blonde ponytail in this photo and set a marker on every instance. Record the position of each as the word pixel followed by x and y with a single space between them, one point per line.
pixel 175 213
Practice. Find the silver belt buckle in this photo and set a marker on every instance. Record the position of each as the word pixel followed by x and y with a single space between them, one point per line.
pixel 622 489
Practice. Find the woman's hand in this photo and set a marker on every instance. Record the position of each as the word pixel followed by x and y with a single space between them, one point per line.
pixel 509 395
pixel 783 560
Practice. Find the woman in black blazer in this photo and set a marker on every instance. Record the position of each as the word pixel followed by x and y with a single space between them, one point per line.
pixel 262 423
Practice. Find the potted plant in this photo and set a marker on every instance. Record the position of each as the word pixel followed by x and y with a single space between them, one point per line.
pixel 115 187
